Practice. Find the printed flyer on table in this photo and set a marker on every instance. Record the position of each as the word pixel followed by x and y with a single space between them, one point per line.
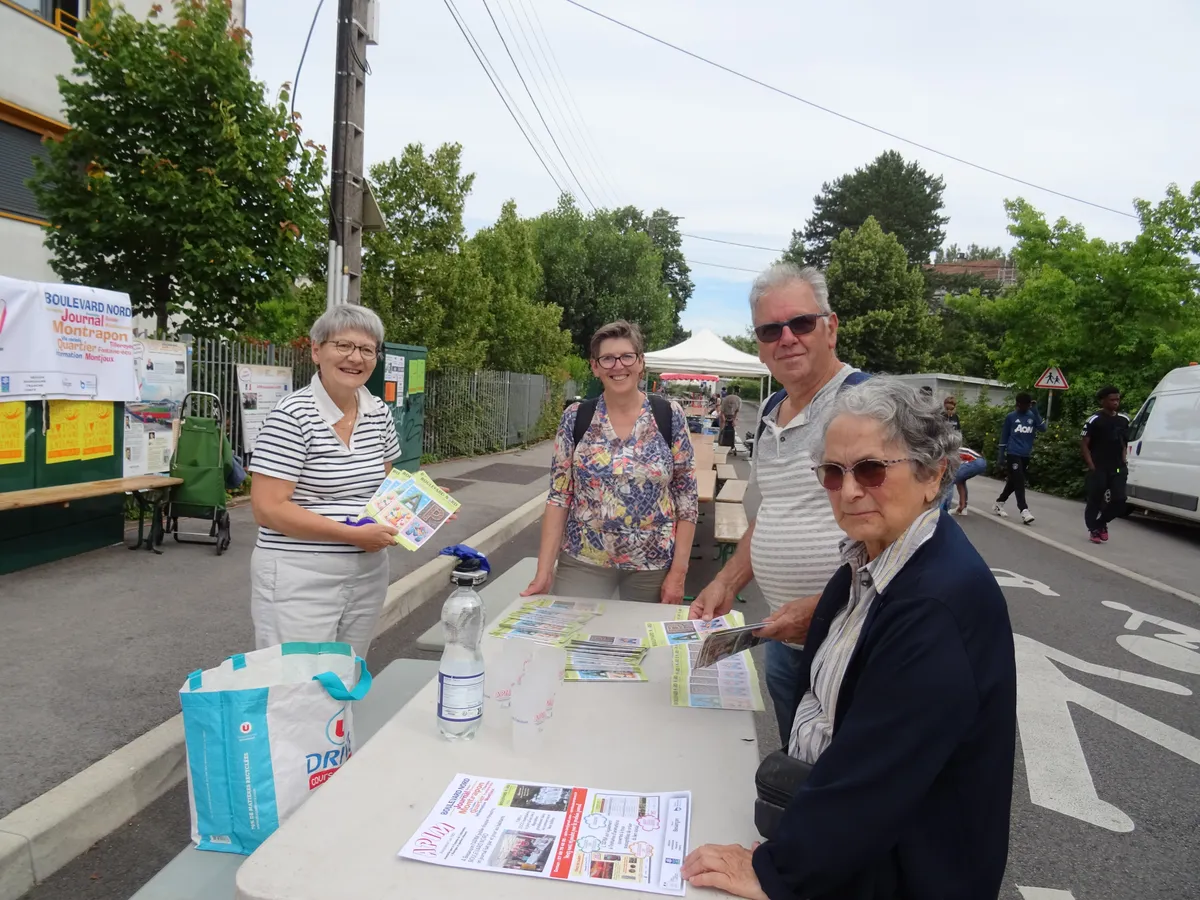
pixel 610 838
pixel 687 631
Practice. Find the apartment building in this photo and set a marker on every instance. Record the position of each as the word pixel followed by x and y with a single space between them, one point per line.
pixel 34 50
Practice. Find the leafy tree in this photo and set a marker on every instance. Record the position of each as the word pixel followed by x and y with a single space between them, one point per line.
pixel 663 229
pixel 1124 313
pixel 901 196
pixel 970 335
pixel 426 286
pixel 885 322
pixel 178 182
pixel 597 273
pixel 525 334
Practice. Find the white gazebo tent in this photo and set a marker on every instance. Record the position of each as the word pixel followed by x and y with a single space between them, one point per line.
pixel 704 353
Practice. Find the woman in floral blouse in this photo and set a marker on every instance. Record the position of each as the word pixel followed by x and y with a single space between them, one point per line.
pixel 622 507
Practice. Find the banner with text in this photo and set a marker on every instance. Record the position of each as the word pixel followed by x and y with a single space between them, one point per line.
pixel 62 341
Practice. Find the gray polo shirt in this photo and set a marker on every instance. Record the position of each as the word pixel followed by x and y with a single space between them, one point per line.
pixel 794 549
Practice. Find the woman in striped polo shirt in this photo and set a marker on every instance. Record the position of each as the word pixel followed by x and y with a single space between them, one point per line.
pixel 321 455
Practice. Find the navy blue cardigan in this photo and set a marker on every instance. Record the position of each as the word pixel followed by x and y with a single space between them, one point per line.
pixel 911 799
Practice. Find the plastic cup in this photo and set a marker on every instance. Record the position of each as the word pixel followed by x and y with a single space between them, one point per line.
pixel 528 714
pixel 506 670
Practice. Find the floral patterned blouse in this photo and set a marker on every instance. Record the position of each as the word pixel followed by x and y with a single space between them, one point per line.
pixel 623 496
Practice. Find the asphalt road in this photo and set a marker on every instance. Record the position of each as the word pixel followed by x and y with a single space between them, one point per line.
pixel 1106 801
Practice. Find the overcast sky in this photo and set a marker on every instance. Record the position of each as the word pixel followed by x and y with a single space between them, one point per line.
pixel 1093 98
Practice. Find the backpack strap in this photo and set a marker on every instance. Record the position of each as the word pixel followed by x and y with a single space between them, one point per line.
pixel 773 401
pixel 664 418
pixel 583 418
pixel 780 395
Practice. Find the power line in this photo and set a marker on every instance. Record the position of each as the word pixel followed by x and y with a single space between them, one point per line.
pixel 730 243
pixel 537 109
pixel 303 54
pixel 522 42
pixel 697 262
pixel 859 122
pixel 547 157
pixel 567 96
pixel 454 14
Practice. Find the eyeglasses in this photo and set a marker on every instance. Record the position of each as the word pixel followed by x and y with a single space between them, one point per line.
pixel 770 332
pixel 607 362
pixel 345 348
pixel 868 473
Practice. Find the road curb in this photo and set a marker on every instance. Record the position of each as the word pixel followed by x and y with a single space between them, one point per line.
pixel 45 834
pixel 1029 532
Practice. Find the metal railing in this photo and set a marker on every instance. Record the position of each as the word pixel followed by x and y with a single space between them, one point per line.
pixel 468 413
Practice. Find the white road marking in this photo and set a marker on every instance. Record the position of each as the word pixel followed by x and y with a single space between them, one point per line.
pixel 1009 578
pixel 1175 649
pixel 1056 768
pixel 1032 893
pixel 1087 557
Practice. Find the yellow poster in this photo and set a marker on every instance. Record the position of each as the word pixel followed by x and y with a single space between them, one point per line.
pixel 64 438
pixel 416 376
pixel 97 429
pixel 12 432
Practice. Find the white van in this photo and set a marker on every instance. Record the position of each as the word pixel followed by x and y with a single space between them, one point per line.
pixel 1164 447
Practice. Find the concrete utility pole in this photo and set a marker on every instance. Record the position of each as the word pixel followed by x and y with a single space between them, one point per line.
pixel 347 184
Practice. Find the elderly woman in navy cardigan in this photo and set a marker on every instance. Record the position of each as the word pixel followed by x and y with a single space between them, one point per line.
pixel 906 708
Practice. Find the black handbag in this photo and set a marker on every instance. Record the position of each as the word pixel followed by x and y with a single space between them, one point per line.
pixel 777 780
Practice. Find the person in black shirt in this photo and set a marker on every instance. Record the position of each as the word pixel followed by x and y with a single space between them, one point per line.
pixel 950 408
pixel 1103 447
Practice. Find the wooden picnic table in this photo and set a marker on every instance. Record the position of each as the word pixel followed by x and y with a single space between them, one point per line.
pixel 706 484
pixel 733 491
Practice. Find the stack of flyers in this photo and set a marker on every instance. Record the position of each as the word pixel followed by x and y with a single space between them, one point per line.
pixel 719 645
pixel 687 631
pixel 412 504
pixel 548 621
pixel 598 657
pixel 731 683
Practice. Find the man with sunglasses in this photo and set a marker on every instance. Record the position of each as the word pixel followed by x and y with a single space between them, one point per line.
pixel 791 546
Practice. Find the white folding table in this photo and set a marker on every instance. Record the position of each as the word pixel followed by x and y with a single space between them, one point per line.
pixel 343 842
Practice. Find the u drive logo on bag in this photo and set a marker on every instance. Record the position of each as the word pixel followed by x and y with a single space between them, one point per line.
pixel 321 766
pixel 245 728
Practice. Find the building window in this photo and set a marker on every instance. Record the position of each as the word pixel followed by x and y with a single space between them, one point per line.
pixel 62 14
pixel 18 147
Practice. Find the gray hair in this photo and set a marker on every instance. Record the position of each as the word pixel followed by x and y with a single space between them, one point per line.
pixel 340 319
pixel 907 416
pixel 785 273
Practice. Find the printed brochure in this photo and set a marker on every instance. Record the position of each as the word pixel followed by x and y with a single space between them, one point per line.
pixel 599 657
pixel 548 620
pixel 610 838
pixel 685 631
pixel 413 504
pixel 719 645
pixel 731 683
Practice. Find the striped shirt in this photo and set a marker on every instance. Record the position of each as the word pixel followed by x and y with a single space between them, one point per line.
pixel 297 443
pixel 812 729
pixel 794 547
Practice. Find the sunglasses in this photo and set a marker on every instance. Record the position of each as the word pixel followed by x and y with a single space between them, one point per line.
pixel 608 362
pixel 770 332
pixel 868 473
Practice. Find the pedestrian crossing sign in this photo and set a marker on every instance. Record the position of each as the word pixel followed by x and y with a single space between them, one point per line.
pixel 1053 380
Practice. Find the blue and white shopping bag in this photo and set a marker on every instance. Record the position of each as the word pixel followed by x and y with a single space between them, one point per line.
pixel 263 730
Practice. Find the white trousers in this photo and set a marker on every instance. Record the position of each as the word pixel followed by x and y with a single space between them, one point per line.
pixel 301 596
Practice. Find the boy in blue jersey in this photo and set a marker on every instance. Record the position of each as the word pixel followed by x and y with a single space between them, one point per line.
pixel 1016 446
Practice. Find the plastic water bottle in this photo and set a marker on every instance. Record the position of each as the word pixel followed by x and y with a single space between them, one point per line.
pixel 460 675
